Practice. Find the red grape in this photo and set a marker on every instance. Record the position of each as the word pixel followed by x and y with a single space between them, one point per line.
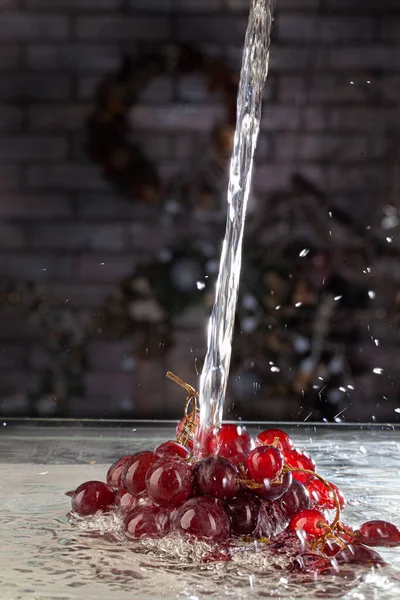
pixel 92 496
pixel 135 469
pixel 231 442
pixel 295 499
pixel 311 564
pixel 169 481
pixel 203 518
pixel 300 460
pixel 216 477
pixel 243 512
pixel 264 462
pixel 269 518
pixel 322 497
pixel 379 533
pixel 147 521
pixel 172 448
pixel 268 437
pixel 272 490
pixel 125 501
pixel 359 555
pixel 114 473
pixel 309 523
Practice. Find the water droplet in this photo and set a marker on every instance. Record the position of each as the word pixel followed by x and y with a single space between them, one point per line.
pixel 304 252
pixel 336 298
pixel 377 371
pixel 372 294
pixel 298 304
pixel 200 285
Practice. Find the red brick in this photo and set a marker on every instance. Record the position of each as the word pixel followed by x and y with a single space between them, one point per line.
pixel 292 58
pixel 10 179
pixel 307 147
pixel 105 206
pixel 112 385
pixel 150 5
pixel 55 117
pixel 10 118
pixel 176 117
pixel 200 5
pixel 11 236
pixel 73 56
pixel 123 28
pixel 110 356
pixel 354 6
pixel 74 5
pixel 35 267
pixel 66 176
pixel 104 268
pixel 32 148
pixel 29 206
pixel 363 118
pixel 18 25
pixel 365 57
pixel 12 357
pixel 26 86
pixel 78 236
pixel 226 29
pixel 79 295
pixel 9 56
pixel 360 177
pixel 298 27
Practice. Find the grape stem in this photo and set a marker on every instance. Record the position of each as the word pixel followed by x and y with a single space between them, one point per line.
pixel 336 520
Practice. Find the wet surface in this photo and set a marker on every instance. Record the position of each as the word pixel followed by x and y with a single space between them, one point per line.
pixel 48 556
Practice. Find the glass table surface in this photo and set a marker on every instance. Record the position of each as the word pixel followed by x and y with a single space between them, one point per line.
pixel 47 555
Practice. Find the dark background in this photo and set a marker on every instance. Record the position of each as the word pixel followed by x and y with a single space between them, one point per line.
pixel 331 113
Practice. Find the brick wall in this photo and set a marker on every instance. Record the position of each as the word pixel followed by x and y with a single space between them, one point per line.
pixel 332 113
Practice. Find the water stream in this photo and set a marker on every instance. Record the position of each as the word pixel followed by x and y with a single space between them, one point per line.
pixel 249 102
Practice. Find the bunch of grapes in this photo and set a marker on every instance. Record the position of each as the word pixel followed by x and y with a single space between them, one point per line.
pixel 235 489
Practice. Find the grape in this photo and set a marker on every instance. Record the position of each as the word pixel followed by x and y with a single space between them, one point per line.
pixel 272 490
pixel 268 437
pixel 114 473
pixel 243 512
pixel 216 477
pixel 269 518
pixel 147 521
pixel 203 518
pixel 295 499
pixel 125 501
pixel 230 442
pixel 171 448
pixel 264 463
pixel 169 481
pixel 134 473
pixel 311 564
pixel 359 555
pixel 322 497
pixel 309 523
pixel 92 496
pixel 300 460
pixel 379 533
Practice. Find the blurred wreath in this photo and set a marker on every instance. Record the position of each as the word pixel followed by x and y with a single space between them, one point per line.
pixel 110 138
pixel 145 304
pixel 61 351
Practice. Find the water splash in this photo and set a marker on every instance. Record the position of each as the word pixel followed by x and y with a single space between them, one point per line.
pixel 252 77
